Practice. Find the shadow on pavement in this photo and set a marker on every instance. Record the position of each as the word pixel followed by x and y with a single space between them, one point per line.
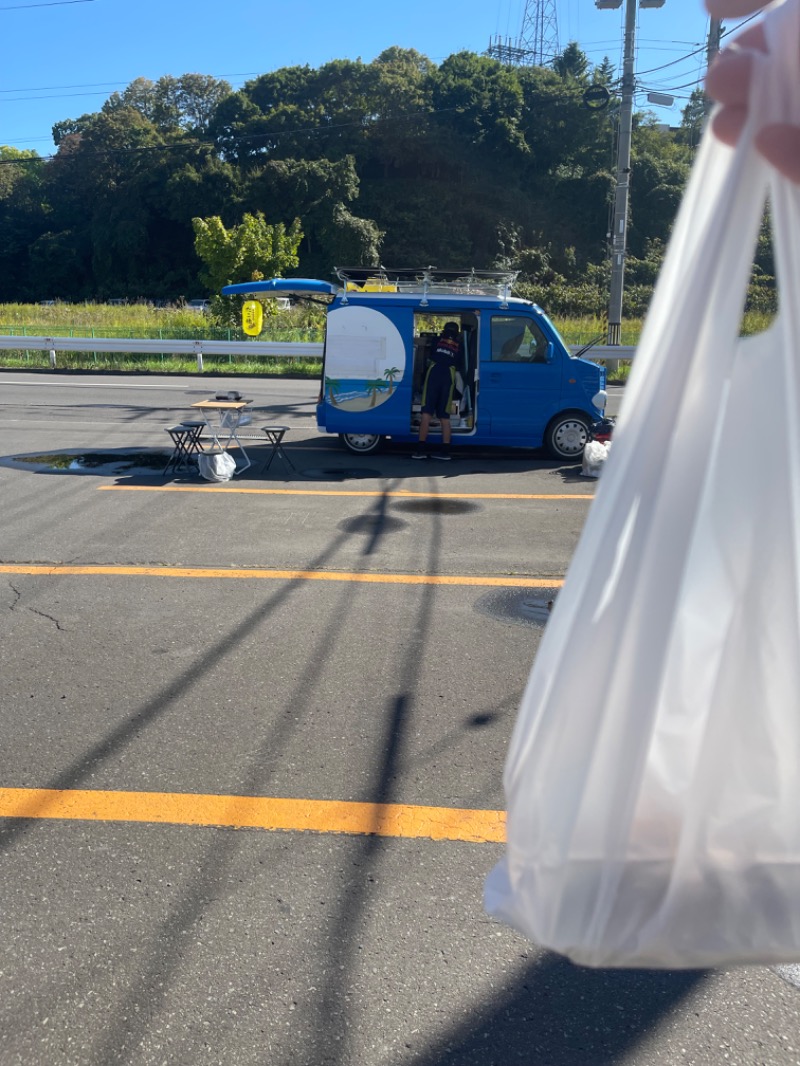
pixel 565 1015
pixel 315 459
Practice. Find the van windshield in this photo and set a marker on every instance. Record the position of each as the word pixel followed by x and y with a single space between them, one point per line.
pixel 548 320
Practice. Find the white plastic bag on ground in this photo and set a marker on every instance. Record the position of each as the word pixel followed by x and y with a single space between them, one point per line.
pixel 595 454
pixel 653 777
pixel 216 466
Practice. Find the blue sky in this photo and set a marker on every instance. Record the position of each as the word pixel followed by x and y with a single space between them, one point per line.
pixel 63 59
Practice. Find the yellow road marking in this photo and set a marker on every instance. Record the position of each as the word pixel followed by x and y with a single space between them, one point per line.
pixel 279 575
pixel 256 812
pixel 401 493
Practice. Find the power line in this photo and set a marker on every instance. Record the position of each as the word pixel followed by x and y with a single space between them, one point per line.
pixel 99 84
pixel 51 3
pixel 698 50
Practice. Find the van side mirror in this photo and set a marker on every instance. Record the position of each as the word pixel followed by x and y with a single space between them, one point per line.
pixel 539 354
pixel 545 356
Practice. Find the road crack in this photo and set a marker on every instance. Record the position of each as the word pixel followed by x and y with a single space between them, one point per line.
pixel 42 614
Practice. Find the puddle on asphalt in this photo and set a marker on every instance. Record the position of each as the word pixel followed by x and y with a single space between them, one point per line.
pixel 372 523
pixel 529 607
pixel 436 505
pixel 94 460
pixel 335 473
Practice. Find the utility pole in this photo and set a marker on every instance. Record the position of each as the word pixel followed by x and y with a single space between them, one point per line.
pixel 714 37
pixel 619 229
pixel 619 226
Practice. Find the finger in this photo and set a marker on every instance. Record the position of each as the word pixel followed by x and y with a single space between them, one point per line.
pixel 728 78
pixel 732 9
pixel 753 38
pixel 728 123
pixel 780 146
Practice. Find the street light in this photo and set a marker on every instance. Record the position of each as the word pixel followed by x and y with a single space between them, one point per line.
pixel 619 228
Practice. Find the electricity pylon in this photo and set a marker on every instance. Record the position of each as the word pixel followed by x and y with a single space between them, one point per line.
pixel 537 44
pixel 540 30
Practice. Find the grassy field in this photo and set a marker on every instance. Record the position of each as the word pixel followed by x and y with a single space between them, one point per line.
pixel 182 323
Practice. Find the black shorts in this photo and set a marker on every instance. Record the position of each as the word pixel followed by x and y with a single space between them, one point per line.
pixel 437 390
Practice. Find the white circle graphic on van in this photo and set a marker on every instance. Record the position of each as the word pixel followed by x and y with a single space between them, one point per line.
pixel 365 358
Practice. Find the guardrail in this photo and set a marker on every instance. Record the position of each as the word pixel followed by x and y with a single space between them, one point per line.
pixel 610 354
pixel 197 348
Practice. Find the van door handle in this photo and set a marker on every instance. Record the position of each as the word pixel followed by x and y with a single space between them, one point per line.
pixel 495 377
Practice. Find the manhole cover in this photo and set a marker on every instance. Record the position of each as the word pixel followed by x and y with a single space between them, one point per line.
pixel 436 505
pixel 372 523
pixel 529 607
pixel 335 473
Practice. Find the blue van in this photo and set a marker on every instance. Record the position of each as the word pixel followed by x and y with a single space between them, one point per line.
pixel 516 384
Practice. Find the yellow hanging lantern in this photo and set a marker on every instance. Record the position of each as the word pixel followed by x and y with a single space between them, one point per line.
pixel 252 317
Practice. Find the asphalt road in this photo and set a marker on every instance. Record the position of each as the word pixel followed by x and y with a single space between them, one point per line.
pixel 168 646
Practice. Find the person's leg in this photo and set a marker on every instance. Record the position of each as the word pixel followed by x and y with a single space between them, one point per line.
pixel 444 402
pixel 443 451
pixel 424 426
pixel 420 452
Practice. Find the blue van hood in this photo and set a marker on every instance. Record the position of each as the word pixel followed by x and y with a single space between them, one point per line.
pixel 590 376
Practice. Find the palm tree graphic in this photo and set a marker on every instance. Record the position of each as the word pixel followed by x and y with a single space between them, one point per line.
pixel 390 375
pixel 375 386
pixel 333 386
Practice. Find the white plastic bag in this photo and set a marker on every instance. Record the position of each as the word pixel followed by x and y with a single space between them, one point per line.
pixel 234 419
pixel 653 777
pixel 595 454
pixel 216 466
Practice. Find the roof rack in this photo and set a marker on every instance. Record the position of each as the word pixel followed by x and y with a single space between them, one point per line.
pixel 429 280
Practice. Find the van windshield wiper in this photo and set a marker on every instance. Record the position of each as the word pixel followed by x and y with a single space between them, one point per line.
pixel 586 347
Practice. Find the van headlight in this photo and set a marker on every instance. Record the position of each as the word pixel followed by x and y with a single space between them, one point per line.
pixel 600 399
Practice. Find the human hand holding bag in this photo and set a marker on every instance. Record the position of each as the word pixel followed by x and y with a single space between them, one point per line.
pixel 652 776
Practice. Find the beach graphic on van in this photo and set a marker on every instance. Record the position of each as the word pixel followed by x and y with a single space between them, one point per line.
pixel 364 358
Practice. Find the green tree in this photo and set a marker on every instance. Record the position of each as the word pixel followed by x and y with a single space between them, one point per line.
pixel 693 118
pixel 184 103
pixel 248 252
pixel 572 63
pixel 320 192
pixel 194 98
pixel 604 73
pixel 24 217
pixel 659 172
pixel 17 165
pixel 480 101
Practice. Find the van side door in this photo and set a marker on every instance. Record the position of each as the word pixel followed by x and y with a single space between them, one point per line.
pixel 521 375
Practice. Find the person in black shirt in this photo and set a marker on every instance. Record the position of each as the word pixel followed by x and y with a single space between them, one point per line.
pixel 437 390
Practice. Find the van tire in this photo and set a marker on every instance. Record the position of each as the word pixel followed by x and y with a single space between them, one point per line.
pixel 567 435
pixel 362 443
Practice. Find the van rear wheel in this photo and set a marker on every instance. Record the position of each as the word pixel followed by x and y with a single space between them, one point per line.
pixel 362 443
pixel 567 435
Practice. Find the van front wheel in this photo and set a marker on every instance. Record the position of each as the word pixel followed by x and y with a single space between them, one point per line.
pixel 566 436
pixel 362 443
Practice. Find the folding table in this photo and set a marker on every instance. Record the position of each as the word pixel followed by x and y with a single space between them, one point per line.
pixel 224 428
